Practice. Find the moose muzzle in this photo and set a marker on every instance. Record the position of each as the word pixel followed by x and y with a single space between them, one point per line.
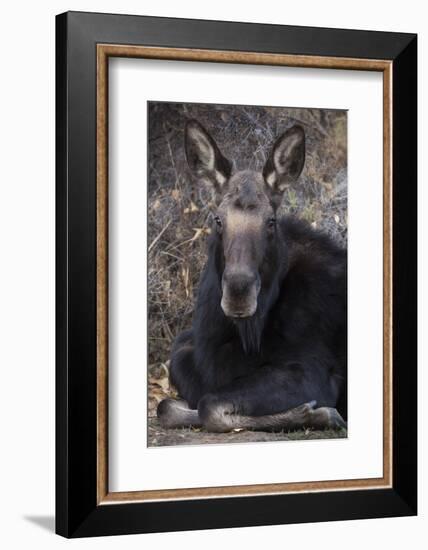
pixel 240 291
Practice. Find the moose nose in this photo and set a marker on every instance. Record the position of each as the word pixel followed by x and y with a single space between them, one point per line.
pixel 240 282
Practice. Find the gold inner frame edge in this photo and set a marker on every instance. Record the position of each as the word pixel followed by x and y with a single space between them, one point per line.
pixel 104 51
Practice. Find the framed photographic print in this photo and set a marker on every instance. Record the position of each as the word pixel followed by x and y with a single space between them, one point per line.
pixel 236 274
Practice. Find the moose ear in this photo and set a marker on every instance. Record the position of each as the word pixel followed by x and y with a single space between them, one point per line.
pixel 286 160
pixel 204 158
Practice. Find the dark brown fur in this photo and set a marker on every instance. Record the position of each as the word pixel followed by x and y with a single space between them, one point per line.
pixel 267 347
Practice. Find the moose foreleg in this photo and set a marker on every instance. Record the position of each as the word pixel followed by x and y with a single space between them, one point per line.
pixel 220 417
pixel 215 416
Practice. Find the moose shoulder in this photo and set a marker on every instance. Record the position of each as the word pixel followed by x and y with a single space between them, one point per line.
pixel 267 347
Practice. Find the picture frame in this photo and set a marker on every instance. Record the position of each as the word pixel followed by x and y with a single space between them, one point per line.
pixel 84 44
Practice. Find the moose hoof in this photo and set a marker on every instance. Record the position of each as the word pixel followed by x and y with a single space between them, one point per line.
pixel 327 418
pixel 172 412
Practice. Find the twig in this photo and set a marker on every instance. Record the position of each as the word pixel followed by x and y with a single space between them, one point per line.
pixel 172 157
pixel 317 123
pixel 159 235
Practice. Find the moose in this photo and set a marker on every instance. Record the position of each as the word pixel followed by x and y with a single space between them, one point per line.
pixel 267 349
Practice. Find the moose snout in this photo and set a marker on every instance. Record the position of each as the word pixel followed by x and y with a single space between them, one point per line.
pixel 239 282
pixel 240 290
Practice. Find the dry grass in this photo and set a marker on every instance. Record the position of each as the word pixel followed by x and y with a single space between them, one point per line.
pixel 179 208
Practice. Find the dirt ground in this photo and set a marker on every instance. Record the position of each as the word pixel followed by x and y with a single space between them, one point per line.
pixel 159 437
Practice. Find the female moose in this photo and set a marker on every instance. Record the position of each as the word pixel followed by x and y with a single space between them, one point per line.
pixel 268 344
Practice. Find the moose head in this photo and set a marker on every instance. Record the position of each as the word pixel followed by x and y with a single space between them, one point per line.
pixel 245 217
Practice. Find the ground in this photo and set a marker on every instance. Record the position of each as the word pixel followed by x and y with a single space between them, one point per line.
pixel 159 437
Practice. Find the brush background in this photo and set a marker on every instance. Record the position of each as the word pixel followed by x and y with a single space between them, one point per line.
pixel 179 208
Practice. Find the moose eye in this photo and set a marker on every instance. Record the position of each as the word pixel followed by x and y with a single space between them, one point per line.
pixel 271 222
pixel 217 221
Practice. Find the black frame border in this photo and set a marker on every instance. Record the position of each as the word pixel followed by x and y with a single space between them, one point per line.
pixel 77 512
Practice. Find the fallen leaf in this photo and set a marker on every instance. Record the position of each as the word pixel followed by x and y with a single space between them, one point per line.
pixel 192 208
pixel 199 232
